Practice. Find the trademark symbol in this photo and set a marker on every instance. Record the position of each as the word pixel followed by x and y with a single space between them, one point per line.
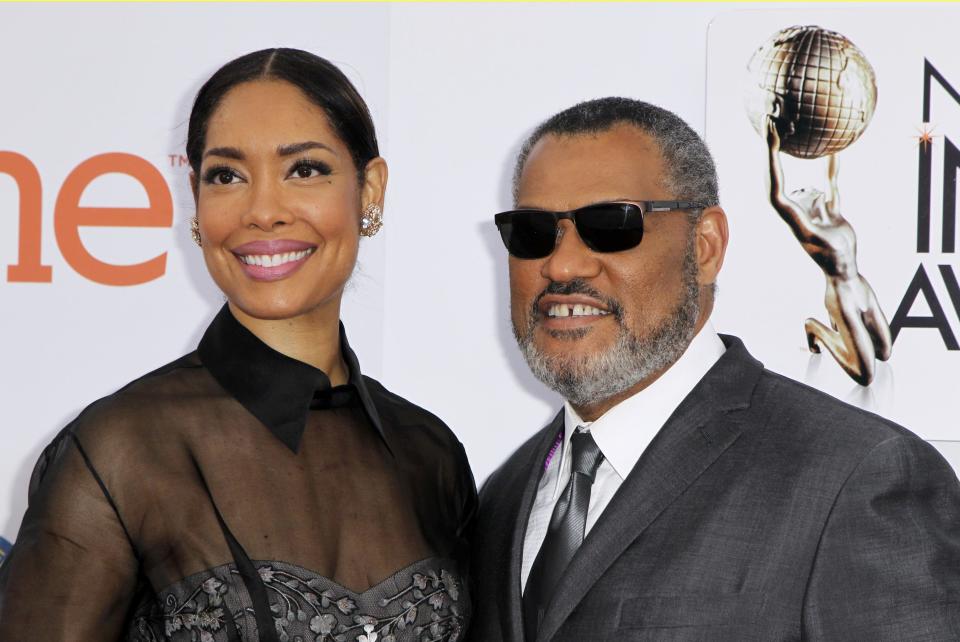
pixel 178 160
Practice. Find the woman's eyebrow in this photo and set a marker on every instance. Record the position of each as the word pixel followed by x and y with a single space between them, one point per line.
pixel 297 148
pixel 226 152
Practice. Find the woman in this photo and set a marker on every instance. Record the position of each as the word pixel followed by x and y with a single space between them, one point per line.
pixel 259 488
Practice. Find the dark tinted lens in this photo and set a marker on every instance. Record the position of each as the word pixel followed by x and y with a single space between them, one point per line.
pixel 528 234
pixel 610 228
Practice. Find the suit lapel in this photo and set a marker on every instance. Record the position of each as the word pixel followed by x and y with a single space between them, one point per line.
pixel 527 475
pixel 699 431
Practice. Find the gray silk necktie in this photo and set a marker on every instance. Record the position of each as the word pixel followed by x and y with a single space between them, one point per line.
pixel 565 533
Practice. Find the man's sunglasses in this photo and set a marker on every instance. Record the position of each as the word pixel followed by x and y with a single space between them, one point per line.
pixel 603 227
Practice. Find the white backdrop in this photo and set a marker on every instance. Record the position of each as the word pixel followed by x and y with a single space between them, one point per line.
pixel 453 89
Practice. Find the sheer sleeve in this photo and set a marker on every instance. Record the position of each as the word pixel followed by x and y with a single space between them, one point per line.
pixel 72 572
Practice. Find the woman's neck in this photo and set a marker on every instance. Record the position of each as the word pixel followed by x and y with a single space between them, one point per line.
pixel 313 337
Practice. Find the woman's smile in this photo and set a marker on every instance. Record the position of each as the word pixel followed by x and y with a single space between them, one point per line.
pixel 273 260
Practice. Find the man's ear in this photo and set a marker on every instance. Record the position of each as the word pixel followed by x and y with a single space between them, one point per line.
pixel 711 238
pixel 374 187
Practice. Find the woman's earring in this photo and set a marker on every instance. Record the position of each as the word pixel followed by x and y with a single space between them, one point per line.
pixel 372 220
pixel 195 230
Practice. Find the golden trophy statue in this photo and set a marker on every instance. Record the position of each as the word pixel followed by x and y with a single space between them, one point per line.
pixel 813 95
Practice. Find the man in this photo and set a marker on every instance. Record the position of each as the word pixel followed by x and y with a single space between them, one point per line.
pixel 684 492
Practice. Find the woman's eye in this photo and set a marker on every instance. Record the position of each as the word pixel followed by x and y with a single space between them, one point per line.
pixel 221 176
pixel 306 169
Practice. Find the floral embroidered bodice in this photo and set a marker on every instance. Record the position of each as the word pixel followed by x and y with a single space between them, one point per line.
pixel 424 602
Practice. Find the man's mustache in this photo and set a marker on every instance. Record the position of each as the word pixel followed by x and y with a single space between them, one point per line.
pixel 576 286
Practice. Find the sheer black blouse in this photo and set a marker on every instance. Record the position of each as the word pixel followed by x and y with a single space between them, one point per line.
pixel 235 495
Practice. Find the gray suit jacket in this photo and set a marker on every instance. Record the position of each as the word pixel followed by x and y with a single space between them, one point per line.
pixel 763 510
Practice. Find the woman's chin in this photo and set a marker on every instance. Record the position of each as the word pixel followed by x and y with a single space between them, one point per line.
pixel 276 309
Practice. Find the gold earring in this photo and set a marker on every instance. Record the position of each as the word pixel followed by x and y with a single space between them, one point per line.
pixel 195 230
pixel 372 220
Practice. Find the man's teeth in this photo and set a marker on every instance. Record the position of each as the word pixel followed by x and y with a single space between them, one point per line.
pixel 578 310
pixel 273 260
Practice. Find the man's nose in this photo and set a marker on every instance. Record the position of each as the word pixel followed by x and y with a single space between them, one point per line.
pixel 571 258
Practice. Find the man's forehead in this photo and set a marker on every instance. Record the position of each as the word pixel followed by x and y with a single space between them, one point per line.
pixel 572 170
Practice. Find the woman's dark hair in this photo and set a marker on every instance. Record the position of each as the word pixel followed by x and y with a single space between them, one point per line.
pixel 320 81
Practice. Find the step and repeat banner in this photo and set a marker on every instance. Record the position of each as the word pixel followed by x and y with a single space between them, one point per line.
pixel 100 282
pixel 837 150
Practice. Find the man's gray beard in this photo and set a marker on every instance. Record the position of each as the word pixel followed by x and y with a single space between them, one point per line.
pixel 588 380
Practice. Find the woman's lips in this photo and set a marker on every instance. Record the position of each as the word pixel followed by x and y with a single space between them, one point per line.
pixel 273 260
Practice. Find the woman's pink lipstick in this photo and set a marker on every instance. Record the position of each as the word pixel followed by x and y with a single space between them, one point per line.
pixel 273 260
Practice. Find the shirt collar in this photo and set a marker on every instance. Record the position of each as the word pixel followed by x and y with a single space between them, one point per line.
pixel 274 388
pixel 624 432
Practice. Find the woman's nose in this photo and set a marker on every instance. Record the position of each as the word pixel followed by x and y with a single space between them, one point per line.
pixel 267 209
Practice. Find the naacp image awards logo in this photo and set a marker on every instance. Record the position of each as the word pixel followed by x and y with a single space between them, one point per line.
pixel 811 94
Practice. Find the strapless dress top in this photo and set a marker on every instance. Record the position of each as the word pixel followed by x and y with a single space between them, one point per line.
pixel 426 601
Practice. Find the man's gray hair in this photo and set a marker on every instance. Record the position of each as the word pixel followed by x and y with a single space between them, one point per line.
pixel 689 171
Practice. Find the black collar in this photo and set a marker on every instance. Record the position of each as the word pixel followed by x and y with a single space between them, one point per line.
pixel 276 389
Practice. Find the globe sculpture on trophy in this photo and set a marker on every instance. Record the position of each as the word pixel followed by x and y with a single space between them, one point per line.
pixel 811 93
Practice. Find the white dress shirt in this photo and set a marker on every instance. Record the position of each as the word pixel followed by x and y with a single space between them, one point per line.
pixel 622 434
